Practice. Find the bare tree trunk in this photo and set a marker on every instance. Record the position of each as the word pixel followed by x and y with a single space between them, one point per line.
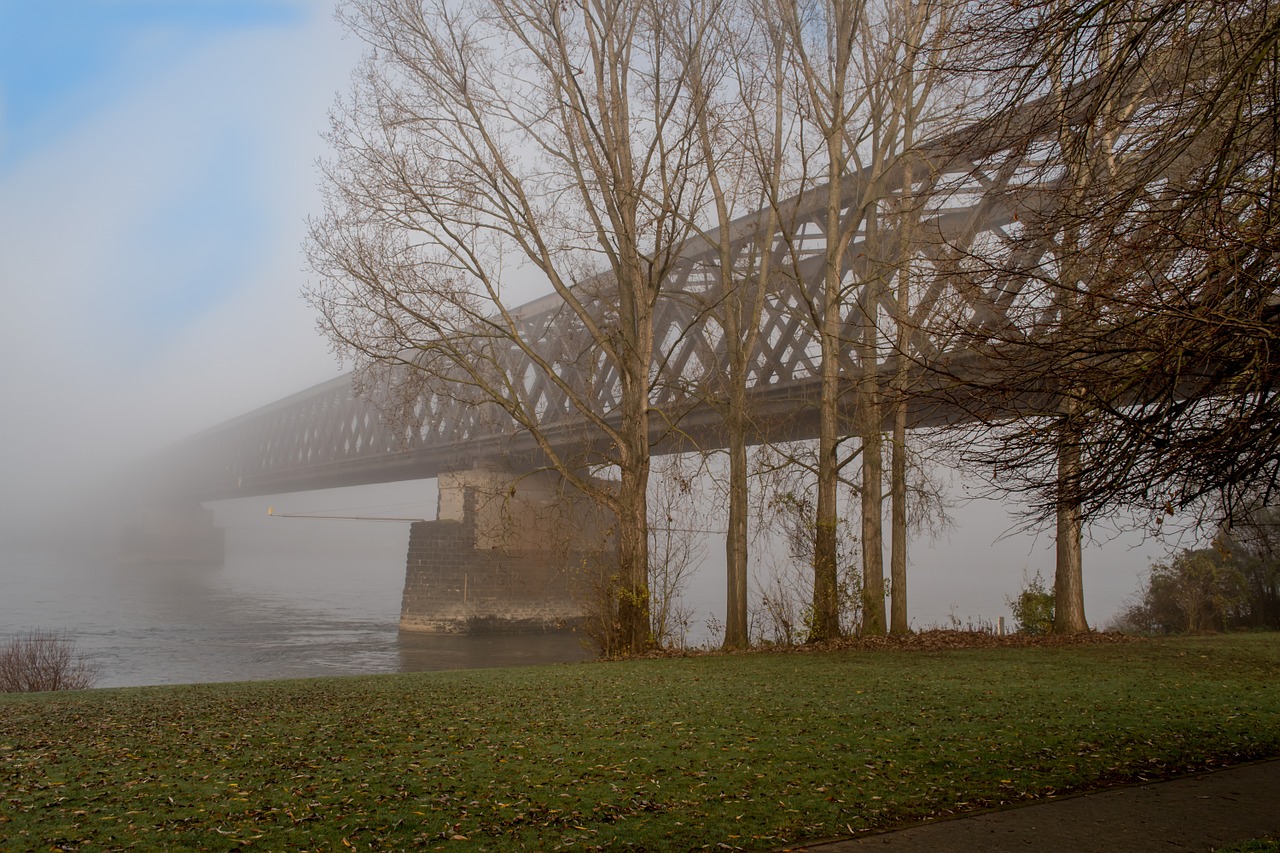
pixel 1068 584
pixel 735 623
pixel 898 466
pixel 826 603
pixel 873 615
pixel 898 522
pixel 871 491
pixel 633 558
pixel 635 313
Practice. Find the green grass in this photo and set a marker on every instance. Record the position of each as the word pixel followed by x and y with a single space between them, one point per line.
pixel 752 751
pixel 1256 845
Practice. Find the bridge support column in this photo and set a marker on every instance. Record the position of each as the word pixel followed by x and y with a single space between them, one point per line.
pixel 507 552
pixel 172 534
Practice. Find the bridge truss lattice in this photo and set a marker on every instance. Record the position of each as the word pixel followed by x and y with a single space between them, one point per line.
pixel 978 195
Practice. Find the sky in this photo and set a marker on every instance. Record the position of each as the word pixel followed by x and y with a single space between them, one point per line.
pixel 157 167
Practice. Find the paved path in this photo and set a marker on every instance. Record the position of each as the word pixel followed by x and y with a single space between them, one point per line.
pixel 1200 812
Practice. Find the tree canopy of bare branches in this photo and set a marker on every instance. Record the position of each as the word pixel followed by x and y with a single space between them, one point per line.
pixel 1167 350
pixel 1131 361
pixel 504 141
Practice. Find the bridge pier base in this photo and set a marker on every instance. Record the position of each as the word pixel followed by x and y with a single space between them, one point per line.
pixel 508 552
pixel 172 534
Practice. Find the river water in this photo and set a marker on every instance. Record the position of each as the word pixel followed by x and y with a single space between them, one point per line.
pixel 311 606
pixel 301 595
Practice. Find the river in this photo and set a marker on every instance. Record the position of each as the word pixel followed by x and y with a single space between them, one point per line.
pixel 310 609
pixel 307 596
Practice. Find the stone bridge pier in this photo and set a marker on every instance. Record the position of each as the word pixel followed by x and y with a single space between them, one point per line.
pixel 508 552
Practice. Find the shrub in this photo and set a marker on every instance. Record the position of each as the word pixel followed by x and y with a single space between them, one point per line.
pixel 43 660
pixel 1033 608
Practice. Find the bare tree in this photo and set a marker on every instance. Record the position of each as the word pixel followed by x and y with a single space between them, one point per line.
pixel 1133 346
pixel 822 41
pixel 733 57
pixel 41 660
pixel 862 93
pixel 906 58
pixel 494 147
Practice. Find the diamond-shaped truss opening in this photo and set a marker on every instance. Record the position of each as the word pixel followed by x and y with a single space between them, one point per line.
pixel 951 291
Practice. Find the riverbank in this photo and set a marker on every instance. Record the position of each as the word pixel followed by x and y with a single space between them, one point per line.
pixel 752 751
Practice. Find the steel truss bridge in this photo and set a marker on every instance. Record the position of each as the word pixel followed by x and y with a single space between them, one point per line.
pixel 980 193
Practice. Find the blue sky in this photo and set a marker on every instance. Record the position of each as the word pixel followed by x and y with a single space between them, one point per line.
pixel 156 172
pixel 67 64
pixel 61 61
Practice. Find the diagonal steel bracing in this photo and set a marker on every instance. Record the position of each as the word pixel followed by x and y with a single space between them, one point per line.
pixel 976 195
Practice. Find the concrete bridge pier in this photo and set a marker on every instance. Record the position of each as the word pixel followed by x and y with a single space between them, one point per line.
pixel 172 534
pixel 508 552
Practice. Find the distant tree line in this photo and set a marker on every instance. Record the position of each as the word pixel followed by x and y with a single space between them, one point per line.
pixel 1233 585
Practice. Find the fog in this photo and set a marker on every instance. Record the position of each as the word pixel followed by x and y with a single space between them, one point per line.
pixel 156 172
pixel 963 576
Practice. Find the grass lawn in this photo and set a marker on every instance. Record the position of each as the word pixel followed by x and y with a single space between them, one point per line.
pixel 752 751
